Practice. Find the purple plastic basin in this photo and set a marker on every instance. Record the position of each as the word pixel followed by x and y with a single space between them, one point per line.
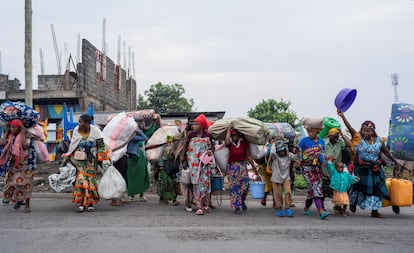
pixel 345 98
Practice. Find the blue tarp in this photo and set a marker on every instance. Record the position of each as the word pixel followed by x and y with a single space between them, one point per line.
pixel 401 132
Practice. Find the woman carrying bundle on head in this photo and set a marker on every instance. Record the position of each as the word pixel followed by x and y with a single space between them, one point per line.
pixel 239 156
pixel 18 160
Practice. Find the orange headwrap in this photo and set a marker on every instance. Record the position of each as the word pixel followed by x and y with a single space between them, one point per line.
pixel 203 122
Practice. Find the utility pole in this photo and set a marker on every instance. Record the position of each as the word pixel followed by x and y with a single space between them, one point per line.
pixel 28 67
pixel 394 81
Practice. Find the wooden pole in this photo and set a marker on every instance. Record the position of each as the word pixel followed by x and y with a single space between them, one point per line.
pixel 28 67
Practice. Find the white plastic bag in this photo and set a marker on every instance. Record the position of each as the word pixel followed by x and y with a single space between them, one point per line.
pixel 64 179
pixel 185 177
pixel 221 154
pixel 257 151
pixel 112 184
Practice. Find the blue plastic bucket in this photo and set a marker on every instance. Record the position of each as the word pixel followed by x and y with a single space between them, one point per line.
pixel 257 189
pixel 217 183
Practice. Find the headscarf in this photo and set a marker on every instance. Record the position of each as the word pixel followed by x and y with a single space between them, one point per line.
pixel 203 122
pixel 16 122
pixel 234 132
pixel 369 124
pixel 333 131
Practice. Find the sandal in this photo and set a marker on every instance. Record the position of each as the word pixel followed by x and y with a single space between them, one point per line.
pixel 324 214
pixel 289 213
pixel 396 209
pixel 377 215
pixel 175 203
pixel 280 213
pixel 161 201
pixel 80 209
pixel 17 205
pixel 200 212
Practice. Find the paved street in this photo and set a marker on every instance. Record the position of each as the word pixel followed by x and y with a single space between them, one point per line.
pixel 54 226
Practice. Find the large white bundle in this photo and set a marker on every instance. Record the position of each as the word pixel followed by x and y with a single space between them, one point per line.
pixel 117 134
pixel 112 184
pixel 252 129
pixel 64 179
pixel 158 139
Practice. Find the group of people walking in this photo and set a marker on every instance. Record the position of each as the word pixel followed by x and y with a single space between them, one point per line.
pixel 319 159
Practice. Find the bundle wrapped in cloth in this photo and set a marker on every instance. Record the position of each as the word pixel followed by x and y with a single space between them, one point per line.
pixel 18 110
pixel 158 140
pixel 148 121
pixel 253 130
pixel 118 132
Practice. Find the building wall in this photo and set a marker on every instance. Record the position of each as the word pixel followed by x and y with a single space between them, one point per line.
pixel 99 84
pixel 83 86
pixel 8 85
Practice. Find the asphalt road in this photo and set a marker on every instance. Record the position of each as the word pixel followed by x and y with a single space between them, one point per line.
pixel 55 226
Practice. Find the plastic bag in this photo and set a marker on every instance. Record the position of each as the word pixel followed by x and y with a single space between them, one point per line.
pixel 221 154
pixel 112 184
pixel 185 176
pixel 64 179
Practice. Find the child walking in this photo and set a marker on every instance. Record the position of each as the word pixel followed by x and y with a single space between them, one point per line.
pixel 341 181
pixel 312 157
pixel 281 160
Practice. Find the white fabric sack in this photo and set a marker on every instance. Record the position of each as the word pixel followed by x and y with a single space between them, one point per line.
pixel 112 184
pixel 221 154
pixel 64 179
pixel 313 122
pixel 117 133
pixel 159 137
pixel 257 151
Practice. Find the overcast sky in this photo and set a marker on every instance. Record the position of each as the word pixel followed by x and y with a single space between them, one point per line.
pixel 231 54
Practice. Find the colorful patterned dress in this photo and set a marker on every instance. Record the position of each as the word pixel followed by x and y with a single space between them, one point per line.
pixel 371 188
pixel 238 173
pixel 85 189
pixel 200 173
pixel 19 172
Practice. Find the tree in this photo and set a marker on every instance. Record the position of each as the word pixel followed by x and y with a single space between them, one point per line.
pixel 165 99
pixel 274 111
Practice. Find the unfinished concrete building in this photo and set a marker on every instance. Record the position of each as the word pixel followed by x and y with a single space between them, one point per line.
pixel 97 79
